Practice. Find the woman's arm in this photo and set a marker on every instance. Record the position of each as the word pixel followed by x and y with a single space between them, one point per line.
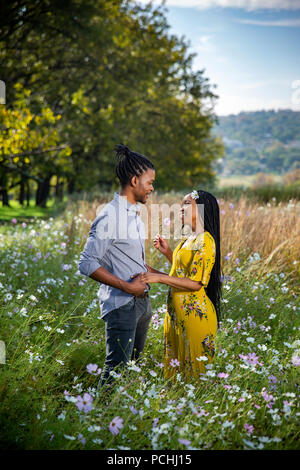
pixel 153 270
pixel 169 255
pixel 183 283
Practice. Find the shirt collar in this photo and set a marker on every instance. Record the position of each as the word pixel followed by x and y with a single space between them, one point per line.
pixel 123 201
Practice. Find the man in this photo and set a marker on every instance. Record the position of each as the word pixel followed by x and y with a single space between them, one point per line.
pixel 113 254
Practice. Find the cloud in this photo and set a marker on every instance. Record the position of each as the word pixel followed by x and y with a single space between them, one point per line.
pixel 290 23
pixel 245 4
pixel 264 83
pixel 234 104
pixel 204 44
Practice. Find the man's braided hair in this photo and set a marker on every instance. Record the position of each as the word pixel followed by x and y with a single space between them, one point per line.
pixel 130 164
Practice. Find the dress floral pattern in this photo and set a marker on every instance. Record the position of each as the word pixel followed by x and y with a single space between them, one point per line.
pixel 190 324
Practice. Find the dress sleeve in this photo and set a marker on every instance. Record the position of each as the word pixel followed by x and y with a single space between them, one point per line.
pixel 203 259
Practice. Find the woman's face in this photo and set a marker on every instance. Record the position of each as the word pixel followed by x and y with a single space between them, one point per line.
pixel 189 211
pixel 190 214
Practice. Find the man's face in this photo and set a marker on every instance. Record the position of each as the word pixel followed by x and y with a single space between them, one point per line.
pixel 144 186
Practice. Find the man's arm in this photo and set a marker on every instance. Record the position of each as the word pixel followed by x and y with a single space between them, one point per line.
pixel 95 249
pixel 136 287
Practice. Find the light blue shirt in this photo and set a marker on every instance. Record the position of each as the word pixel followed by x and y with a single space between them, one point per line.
pixel 116 242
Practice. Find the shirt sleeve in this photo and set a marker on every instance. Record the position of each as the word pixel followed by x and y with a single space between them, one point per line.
pixel 99 241
pixel 203 259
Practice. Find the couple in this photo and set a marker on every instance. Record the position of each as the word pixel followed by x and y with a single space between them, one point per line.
pixel 118 263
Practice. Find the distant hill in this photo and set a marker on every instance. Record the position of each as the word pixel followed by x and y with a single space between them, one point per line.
pixel 260 141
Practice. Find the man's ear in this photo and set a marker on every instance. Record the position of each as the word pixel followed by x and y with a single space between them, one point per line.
pixel 134 181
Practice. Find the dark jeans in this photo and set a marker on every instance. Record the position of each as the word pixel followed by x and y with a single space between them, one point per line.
pixel 125 332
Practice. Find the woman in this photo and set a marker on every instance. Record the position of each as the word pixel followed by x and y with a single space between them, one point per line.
pixel 193 304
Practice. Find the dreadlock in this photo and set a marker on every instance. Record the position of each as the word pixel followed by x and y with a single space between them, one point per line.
pixel 212 225
pixel 130 164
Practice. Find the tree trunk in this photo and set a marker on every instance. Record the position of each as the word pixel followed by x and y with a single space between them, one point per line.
pixel 22 191
pixel 71 186
pixel 59 187
pixel 37 194
pixel 42 192
pixel 4 194
pixel 27 192
pixel 3 189
pixel 61 191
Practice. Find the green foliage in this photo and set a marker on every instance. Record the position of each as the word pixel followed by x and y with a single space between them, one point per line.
pixel 81 355
pixel 52 335
pixel 113 74
pixel 260 141
pixel 264 194
pixel 28 142
pixel 257 126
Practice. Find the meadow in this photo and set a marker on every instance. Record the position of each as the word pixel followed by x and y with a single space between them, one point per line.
pixel 55 342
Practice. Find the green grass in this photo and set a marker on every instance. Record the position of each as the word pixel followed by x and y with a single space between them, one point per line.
pixel 247 180
pixel 50 323
pixel 22 213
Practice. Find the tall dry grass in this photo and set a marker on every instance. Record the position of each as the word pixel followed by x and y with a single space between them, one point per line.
pixel 272 230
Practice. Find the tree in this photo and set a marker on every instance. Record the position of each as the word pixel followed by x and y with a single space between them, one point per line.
pixel 113 74
pixel 29 146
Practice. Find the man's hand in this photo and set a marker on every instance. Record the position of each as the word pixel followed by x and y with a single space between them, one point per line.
pixel 137 286
pixel 135 275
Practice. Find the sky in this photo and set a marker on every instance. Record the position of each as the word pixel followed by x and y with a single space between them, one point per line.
pixel 250 49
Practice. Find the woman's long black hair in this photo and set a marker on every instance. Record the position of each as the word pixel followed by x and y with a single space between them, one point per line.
pixel 212 225
pixel 130 164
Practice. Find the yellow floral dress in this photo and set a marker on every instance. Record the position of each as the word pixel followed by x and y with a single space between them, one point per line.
pixel 190 323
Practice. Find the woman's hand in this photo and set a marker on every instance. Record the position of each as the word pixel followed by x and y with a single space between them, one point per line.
pixel 161 244
pixel 149 278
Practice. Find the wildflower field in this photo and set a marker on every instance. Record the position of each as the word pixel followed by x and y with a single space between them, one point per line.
pixel 55 343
